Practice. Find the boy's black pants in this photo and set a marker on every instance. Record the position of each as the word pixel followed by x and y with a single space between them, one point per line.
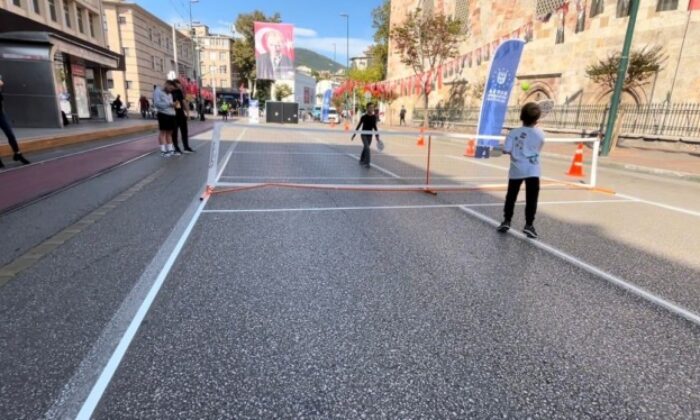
pixel 366 143
pixel 181 119
pixel 532 192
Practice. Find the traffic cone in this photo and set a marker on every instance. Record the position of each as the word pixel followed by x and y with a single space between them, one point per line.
pixel 421 140
pixel 347 125
pixel 576 168
pixel 471 149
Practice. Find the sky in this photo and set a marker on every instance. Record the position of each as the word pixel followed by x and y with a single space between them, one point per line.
pixel 318 24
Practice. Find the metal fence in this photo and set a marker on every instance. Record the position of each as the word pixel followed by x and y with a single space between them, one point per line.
pixel 662 119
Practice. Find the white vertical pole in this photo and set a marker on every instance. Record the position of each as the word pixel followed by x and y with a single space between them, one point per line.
pixel 594 162
pixel 177 67
pixel 213 87
pixel 214 155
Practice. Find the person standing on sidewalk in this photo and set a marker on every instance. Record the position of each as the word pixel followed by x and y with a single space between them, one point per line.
pixel 524 145
pixel 143 106
pixel 368 122
pixel 181 111
pixel 224 111
pixel 402 116
pixel 167 123
pixel 7 129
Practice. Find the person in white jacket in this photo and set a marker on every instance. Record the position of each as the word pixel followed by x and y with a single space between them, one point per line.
pixel 167 122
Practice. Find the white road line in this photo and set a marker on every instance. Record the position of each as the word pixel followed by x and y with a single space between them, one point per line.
pixel 660 205
pixel 98 389
pixel 353 157
pixel 405 207
pixel 321 154
pixel 456 178
pixel 617 281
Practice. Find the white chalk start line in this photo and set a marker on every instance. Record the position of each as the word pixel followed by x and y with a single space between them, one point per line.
pixel 402 207
pixel 615 280
pixel 90 404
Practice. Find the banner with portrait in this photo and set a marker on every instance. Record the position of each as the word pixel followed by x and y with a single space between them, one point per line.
pixel 274 51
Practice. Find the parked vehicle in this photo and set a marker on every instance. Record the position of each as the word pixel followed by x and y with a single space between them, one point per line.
pixel 333 116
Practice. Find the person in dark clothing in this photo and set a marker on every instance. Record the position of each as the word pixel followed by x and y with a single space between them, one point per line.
pixel 7 129
pixel 402 116
pixel 181 111
pixel 368 122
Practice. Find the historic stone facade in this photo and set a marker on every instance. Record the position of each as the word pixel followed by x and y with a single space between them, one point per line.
pixel 560 48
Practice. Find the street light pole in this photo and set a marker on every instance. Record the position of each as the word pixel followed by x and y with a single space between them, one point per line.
pixel 621 73
pixel 197 65
pixel 347 55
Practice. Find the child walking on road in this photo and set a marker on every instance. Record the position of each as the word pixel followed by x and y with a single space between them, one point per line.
pixel 7 129
pixel 368 122
pixel 524 145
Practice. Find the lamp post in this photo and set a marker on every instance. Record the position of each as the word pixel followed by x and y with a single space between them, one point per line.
pixel 198 64
pixel 347 55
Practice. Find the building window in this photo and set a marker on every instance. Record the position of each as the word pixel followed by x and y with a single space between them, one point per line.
pixel 125 51
pixel 17 3
pixel 597 7
pixel 223 69
pixel 212 69
pixel 664 5
pixel 81 27
pixel 623 8
pixel 52 10
pixel 91 23
pixel 122 20
pixel 66 13
pixel 110 83
pixel 213 55
pixel 223 56
pixel 128 84
pixel 150 34
pixel 35 7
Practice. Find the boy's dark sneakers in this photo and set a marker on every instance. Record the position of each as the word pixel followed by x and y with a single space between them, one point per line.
pixel 504 227
pixel 530 231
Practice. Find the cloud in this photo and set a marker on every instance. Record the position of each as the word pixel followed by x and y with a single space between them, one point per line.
pixel 325 45
pixel 304 32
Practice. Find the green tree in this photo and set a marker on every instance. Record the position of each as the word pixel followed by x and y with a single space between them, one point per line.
pixel 282 90
pixel 244 48
pixel 379 51
pixel 642 66
pixel 424 43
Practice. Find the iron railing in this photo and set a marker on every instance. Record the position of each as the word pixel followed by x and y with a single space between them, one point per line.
pixel 658 119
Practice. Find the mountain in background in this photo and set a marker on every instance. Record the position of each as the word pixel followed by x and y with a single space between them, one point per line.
pixel 315 61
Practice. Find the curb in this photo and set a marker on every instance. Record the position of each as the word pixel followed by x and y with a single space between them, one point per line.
pixel 665 173
pixel 44 143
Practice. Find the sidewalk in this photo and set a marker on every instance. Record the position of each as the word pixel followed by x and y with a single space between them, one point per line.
pixel 680 164
pixel 22 184
pixel 36 139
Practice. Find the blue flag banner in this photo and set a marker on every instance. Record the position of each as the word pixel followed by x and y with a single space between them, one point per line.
pixel 326 105
pixel 497 93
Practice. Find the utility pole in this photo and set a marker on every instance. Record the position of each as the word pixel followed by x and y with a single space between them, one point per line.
pixel 621 73
pixel 347 56
pixel 177 67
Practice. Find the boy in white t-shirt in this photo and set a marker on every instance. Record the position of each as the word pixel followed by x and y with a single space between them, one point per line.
pixel 524 145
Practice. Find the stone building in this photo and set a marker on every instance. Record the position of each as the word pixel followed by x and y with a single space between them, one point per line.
pixel 216 56
pixel 147 44
pixel 560 47
pixel 54 60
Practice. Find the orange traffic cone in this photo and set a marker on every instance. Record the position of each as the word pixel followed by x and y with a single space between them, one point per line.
pixel 471 149
pixel 421 140
pixel 576 168
pixel 347 125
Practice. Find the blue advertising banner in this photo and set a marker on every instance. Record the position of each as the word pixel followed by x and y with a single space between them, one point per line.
pixel 326 105
pixel 497 93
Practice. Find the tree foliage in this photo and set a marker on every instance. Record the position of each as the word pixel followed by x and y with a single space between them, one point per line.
pixel 642 65
pixel 282 90
pixel 244 48
pixel 379 51
pixel 424 42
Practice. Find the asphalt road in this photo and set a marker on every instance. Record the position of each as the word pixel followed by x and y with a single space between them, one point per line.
pixel 307 303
